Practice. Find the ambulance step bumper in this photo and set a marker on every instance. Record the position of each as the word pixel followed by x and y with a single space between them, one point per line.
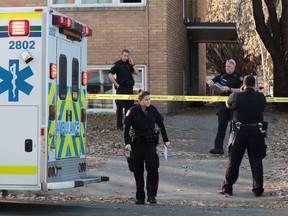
pixel 74 183
pixel 92 179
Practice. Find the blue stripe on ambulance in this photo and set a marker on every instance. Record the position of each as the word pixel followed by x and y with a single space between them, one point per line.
pixel 32 34
pixel 51 102
pixel 62 142
pixel 53 96
pixel 74 137
pixel 61 110
pixel 82 142
pixel 65 146
pixel 83 148
pixel 35 34
pixel 75 111
pixel 4 34
pixel 75 145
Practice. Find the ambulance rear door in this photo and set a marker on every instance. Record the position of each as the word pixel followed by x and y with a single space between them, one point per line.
pixel 69 143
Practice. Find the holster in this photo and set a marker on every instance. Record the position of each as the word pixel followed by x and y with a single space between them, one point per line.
pixel 263 128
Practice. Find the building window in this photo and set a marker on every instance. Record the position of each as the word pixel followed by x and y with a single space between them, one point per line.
pixel 130 1
pixel 96 3
pixel 99 83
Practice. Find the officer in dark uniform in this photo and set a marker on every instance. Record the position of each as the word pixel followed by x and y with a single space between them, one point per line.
pixel 247 132
pixel 230 81
pixel 142 144
pixel 124 82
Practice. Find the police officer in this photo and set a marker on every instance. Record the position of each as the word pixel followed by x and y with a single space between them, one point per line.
pixel 230 82
pixel 142 118
pixel 124 82
pixel 248 132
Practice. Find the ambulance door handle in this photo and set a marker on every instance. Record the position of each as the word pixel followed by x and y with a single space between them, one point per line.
pixel 28 145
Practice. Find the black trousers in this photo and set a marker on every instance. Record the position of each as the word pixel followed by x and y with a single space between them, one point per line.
pixel 123 104
pixel 224 116
pixel 145 155
pixel 251 139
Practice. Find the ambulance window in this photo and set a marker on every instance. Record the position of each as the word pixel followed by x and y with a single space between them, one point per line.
pixel 75 79
pixel 62 77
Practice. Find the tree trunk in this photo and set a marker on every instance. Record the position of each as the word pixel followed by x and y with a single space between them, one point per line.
pixel 275 40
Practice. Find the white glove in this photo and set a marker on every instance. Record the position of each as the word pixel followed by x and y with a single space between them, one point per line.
pixel 167 144
pixel 128 147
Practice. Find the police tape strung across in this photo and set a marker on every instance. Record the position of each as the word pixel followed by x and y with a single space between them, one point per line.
pixel 175 98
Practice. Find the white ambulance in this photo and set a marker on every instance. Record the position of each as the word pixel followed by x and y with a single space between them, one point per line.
pixel 42 100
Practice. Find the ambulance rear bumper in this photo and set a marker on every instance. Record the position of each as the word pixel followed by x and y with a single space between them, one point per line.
pixel 74 183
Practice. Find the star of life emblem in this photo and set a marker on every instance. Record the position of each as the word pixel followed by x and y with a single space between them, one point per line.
pixel 13 80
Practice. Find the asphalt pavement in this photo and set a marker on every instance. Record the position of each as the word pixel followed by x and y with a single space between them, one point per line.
pixel 189 181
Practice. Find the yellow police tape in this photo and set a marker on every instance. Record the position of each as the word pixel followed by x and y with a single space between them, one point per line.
pixel 174 98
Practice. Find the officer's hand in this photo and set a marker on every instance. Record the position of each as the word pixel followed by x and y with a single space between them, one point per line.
pixel 131 60
pixel 128 147
pixel 167 144
pixel 210 83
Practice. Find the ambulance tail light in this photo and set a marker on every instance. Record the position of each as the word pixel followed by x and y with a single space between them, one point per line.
pixel 69 23
pixel 19 28
pixel 71 28
pixel 84 78
pixel 59 21
pixel 53 71
pixel 88 31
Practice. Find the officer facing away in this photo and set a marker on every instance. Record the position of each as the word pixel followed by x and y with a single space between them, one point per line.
pixel 230 82
pixel 247 132
pixel 143 143
pixel 124 82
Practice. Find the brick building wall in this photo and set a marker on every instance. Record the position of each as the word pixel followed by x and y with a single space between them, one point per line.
pixel 178 53
pixel 155 34
pixel 21 3
pixel 113 29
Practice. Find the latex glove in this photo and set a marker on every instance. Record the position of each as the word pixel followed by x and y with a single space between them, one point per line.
pixel 128 147
pixel 167 144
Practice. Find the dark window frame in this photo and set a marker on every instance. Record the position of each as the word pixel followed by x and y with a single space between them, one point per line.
pixel 75 79
pixel 62 77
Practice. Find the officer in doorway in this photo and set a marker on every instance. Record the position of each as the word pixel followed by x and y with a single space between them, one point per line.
pixel 247 132
pixel 124 82
pixel 228 82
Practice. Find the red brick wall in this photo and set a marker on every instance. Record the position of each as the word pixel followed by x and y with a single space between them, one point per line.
pixel 178 53
pixel 113 30
pixel 157 49
pixel 29 3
